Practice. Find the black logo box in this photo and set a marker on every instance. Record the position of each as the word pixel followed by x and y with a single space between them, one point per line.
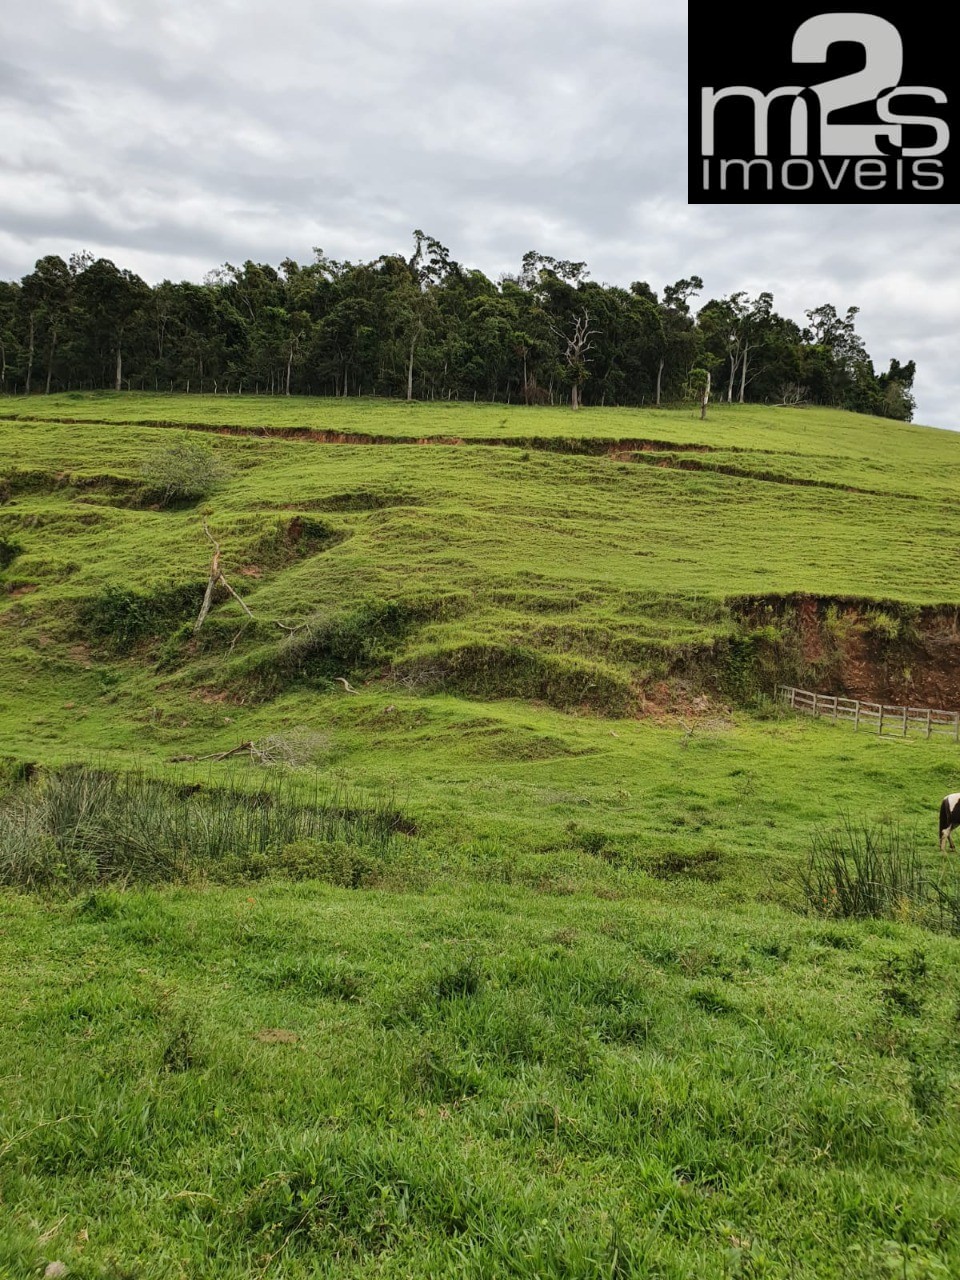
pixel 729 49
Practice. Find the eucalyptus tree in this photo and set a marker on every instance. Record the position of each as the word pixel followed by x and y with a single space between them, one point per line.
pixel 681 341
pixel 735 329
pixel 9 341
pixel 110 301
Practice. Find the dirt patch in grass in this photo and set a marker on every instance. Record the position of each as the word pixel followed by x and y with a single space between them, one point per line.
pixel 701 864
pixel 276 1035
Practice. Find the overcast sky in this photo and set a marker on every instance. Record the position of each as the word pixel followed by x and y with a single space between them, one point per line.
pixel 176 136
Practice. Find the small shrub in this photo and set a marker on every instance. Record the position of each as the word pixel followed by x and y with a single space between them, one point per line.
pixel 120 618
pixel 841 626
pixel 883 625
pixel 184 472
pixel 334 861
pixel 238 868
pixel 9 550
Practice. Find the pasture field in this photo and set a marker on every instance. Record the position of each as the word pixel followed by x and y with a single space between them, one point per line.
pixel 301 1081
pixel 574 1016
pixel 846 448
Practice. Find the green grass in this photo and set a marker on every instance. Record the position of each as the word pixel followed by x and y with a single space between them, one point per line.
pixel 308 1082
pixel 581 1025
pixel 805 430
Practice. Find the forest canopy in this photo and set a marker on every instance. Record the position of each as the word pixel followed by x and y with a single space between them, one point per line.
pixel 427 327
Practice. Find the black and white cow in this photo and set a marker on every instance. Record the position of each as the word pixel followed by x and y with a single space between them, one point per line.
pixel 949 819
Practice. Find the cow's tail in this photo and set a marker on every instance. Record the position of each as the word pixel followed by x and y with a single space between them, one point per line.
pixel 944 816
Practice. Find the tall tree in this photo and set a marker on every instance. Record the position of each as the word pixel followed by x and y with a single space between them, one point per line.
pixel 680 338
pixel 9 344
pixel 55 283
pixel 110 299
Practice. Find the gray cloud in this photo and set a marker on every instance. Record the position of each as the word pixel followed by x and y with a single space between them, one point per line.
pixel 175 137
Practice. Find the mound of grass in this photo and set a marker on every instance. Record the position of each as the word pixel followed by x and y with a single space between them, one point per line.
pixel 485 670
pixel 340 644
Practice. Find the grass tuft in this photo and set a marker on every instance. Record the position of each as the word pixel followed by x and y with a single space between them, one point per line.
pixel 862 870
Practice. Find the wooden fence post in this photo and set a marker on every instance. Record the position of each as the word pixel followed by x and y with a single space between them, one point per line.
pixel 822 704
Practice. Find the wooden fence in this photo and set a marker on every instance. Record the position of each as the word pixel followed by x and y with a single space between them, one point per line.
pixel 878 716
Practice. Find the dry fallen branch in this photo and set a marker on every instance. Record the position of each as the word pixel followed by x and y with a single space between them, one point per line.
pixel 244 748
pixel 296 748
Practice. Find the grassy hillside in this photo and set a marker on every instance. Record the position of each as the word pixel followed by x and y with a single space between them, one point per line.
pixel 575 1018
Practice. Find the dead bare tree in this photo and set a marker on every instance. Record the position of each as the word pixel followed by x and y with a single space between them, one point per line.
pixel 216 579
pixel 577 344
pixel 698 388
pixel 705 396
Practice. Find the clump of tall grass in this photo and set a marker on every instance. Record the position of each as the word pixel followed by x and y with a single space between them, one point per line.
pixel 862 870
pixel 79 826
